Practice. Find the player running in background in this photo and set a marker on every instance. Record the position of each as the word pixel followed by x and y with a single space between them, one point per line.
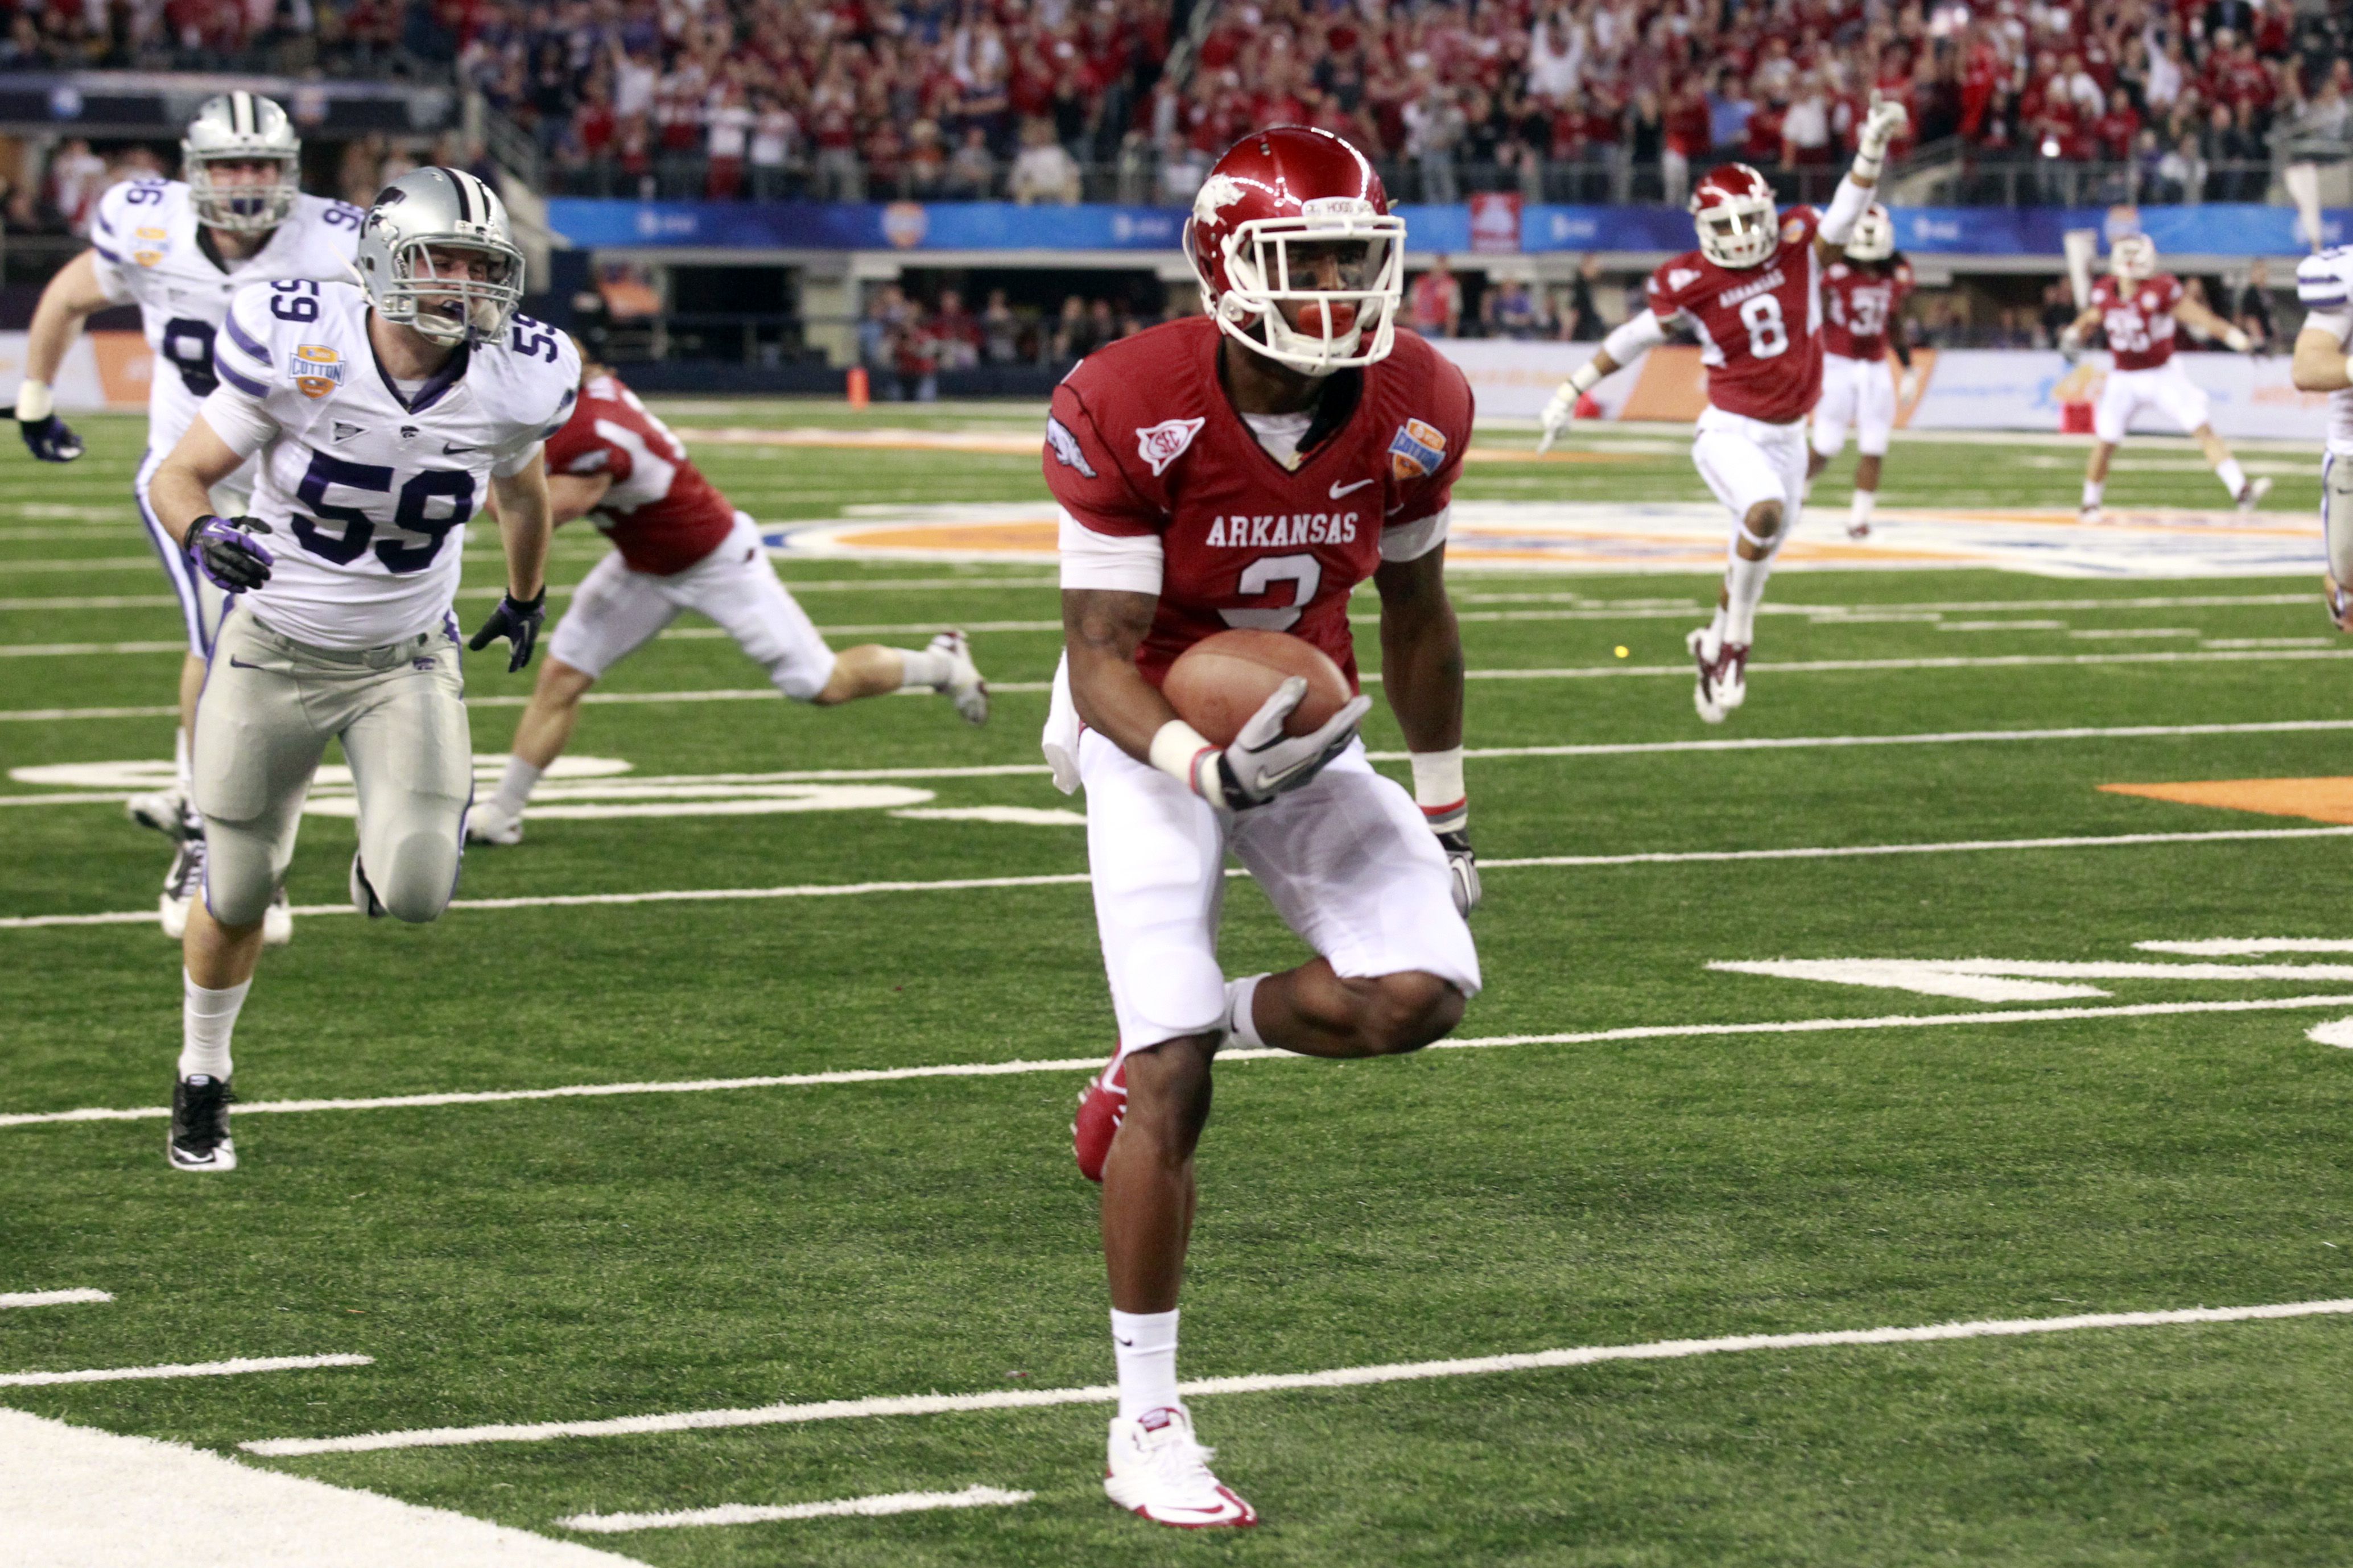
pixel 2137 306
pixel 380 415
pixel 1250 467
pixel 2324 284
pixel 179 249
pixel 1752 291
pixel 1862 298
pixel 678 545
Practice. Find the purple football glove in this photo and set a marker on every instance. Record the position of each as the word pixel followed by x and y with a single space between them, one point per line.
pixel 226 552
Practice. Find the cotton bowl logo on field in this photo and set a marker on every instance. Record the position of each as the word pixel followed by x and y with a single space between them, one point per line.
pixel 318 369
pixel 1417 450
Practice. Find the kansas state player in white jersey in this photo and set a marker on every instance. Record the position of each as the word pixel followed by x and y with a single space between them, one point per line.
pixel 382 417
pixel 2323 283
pixel 178 250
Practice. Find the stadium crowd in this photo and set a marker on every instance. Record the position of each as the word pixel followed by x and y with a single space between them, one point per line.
pixel 1056 100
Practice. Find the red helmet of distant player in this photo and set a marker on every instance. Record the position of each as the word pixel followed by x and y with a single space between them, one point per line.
pixel 1732 209
pixel 1297 252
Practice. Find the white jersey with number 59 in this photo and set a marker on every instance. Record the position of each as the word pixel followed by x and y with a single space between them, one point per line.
pixel 367 487
pixel 148 250
pixel 2323 283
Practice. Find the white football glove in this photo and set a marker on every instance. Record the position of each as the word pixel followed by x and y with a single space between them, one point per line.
pixel 1264 762
pixel 2070 346
pixel 1882 124
pixel 1558 415
pixel 1908 388
pixel 2237 340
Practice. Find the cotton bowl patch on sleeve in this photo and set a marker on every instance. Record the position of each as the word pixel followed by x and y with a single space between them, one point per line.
pixel 1417 449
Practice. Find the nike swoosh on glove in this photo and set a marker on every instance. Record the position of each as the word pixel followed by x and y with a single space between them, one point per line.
pixel 1264 762
pixel 517 620
pixel 226 552
pixel 50 438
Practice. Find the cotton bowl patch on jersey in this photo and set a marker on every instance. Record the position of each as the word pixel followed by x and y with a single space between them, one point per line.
pixel 1417 449
pixel 318 369
pixel 154 241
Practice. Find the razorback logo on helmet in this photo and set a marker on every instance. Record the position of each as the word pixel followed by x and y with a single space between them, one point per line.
pixel 1065 448
pixel 1417 449
pixel 1218 193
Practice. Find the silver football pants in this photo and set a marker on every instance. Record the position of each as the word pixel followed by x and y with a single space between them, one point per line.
pixel 270 705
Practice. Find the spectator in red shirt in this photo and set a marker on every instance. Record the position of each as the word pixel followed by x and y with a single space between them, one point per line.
pixel 2116 130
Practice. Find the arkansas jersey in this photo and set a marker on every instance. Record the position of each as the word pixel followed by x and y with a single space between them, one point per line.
pixel 660 513
pixel 2137 318
pixel 1143 441
pixel 1859 300
pixel 1759 327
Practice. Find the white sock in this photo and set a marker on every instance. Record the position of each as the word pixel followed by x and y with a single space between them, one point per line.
pixel 921 667
pixel 2091 488
pixel 1858 513
pixel 1711 642
pixel 515 786
pixel 1144 1345
pixel 1744 582
pixel 1241 995
pixel 183 768
pixel 2233 477
pixel 206 1020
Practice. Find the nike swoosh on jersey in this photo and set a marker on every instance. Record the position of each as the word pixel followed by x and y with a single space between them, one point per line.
pixel 1339 489
pixel 450 449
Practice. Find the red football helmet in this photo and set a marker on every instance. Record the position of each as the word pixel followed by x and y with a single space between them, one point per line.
pixel 1274 194
pixel 1732 209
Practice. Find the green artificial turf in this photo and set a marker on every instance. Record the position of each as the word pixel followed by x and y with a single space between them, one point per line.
pixel 580 1258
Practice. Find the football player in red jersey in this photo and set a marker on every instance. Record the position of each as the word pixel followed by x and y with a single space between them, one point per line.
pixel 1249 468
pixel 2137 307
pixel 1752 291
pixel 1863 293
pixel 678 545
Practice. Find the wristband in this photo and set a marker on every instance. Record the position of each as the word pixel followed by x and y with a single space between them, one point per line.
pixel 1438 789
pixel 1866 168
pixel 1584 379
pixel 2237 340
pixel 35 402
pixel 1178 749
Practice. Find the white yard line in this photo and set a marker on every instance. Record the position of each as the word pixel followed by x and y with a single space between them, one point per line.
pixel 80 1497
pixel 51 1298
pixel 237 1368
pixel 1094 1063
pixel 1571 672
pixel 2226 947
pixel 1337 1377
pixel 840 1508
pixel 1066 878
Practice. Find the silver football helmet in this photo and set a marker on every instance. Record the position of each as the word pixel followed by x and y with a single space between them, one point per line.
pixel 238 128
pixel 440 210
pixel 1875 236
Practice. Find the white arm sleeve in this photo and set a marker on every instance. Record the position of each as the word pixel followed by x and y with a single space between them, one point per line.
pixel 1120 564
pixel 2337 324
pixel 241 422
pixel 1845 211
pixel 1640 332
pixel 1412 541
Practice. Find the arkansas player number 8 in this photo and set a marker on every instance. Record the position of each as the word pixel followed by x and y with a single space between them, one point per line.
pixel 1768 335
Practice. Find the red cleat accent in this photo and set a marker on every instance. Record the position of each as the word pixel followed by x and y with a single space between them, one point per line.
pixel 1102 1105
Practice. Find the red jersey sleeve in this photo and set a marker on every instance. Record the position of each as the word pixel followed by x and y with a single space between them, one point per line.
pixel 2168 293
pixel 579 449
pixel 1086 475
pixel 1665 292
pixel 1432 419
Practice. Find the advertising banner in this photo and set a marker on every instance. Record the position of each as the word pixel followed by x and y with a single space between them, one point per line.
pixel 102 370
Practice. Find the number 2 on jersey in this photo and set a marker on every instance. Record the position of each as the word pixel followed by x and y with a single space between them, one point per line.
pixel 1303 572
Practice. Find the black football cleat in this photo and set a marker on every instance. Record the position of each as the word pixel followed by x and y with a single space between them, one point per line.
pixel 200 1140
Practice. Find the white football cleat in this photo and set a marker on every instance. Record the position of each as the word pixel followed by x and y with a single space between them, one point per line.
pixel 489 825
pixel 277 920
pixel 963 686
pixel 182 885
pixel 2339 604
pixel 166 812
pixel 2091 516
pixel 1723 681
pixel 2252 496
pixel 1157 1469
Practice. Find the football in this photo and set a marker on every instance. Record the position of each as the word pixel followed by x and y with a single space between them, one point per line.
pixel 1218 683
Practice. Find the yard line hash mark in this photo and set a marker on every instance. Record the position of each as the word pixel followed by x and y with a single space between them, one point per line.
pixel 840 1508
pixel 235 1368
pixel 1094 1063
pixel 1337 1377
pixel 51 1298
